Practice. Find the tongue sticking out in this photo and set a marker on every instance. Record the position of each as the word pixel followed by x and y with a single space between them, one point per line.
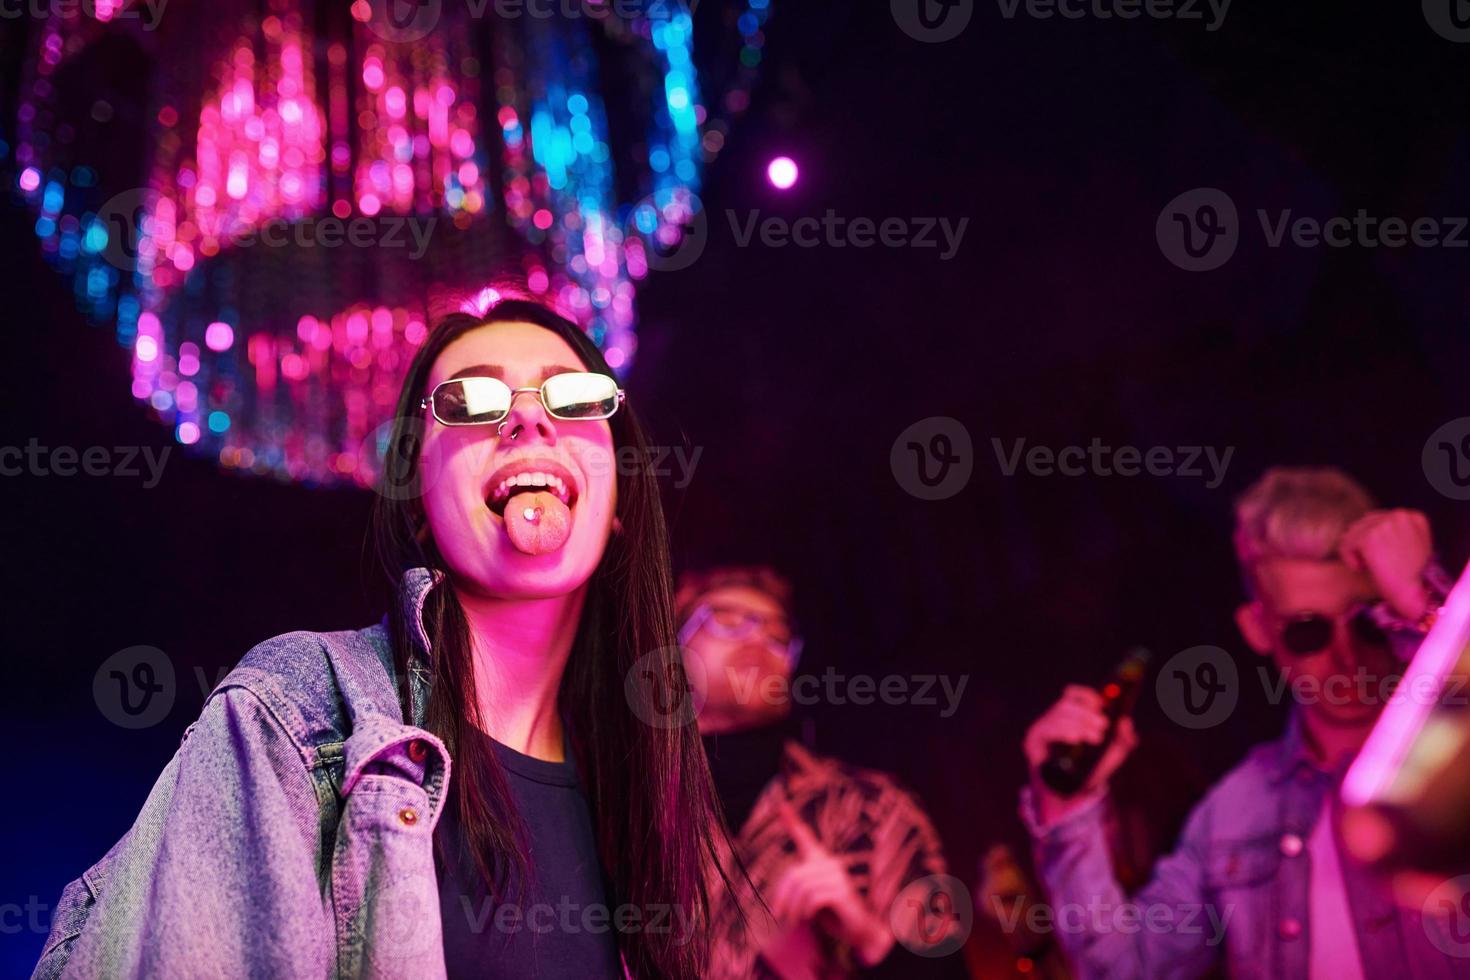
pixel 538 522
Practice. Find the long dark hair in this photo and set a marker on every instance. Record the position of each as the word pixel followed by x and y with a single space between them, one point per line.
pixel 652 800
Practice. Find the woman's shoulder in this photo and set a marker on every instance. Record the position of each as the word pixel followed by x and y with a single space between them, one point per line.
pixel 313 682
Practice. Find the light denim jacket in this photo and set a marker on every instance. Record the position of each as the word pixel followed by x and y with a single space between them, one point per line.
pixel 1235 890
pixel 289 836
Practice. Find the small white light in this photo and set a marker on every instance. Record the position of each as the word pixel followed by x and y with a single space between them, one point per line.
pixel 782 173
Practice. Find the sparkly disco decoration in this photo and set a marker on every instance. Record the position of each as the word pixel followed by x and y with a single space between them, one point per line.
pixel 271 200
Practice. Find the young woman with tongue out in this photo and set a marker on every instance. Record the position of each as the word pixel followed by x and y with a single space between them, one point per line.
pixel 309 826
pixel 555 588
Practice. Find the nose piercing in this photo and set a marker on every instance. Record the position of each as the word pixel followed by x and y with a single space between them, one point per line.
pixel 514 433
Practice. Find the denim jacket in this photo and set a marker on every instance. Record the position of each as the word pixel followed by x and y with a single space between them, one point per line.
pixel 289 836
pixel 1235 889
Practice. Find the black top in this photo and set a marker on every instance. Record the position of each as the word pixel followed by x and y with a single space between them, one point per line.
pixel 559 925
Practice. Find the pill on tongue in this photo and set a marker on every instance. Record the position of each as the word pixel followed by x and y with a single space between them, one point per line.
pixel 538 522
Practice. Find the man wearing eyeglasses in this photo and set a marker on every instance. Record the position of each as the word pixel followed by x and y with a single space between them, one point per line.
pixel 1259 882
pixel 828 846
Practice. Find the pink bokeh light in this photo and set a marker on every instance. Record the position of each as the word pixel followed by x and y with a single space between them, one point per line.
pixel 783 173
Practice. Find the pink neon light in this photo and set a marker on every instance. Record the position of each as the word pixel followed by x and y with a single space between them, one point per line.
pixel 1389 742
pixel 218 336
pixel 783 173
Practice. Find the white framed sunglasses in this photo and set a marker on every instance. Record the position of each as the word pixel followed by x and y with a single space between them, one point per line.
pixel 571 396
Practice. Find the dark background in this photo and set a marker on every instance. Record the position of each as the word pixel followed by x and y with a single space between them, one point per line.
pixel 794 370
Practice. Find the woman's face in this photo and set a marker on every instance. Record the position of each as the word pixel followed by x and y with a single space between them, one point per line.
pixel 466 469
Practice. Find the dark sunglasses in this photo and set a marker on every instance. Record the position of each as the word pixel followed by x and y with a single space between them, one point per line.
pixel 1312 633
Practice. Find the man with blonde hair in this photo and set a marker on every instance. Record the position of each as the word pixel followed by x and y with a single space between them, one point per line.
pixel 1337 593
